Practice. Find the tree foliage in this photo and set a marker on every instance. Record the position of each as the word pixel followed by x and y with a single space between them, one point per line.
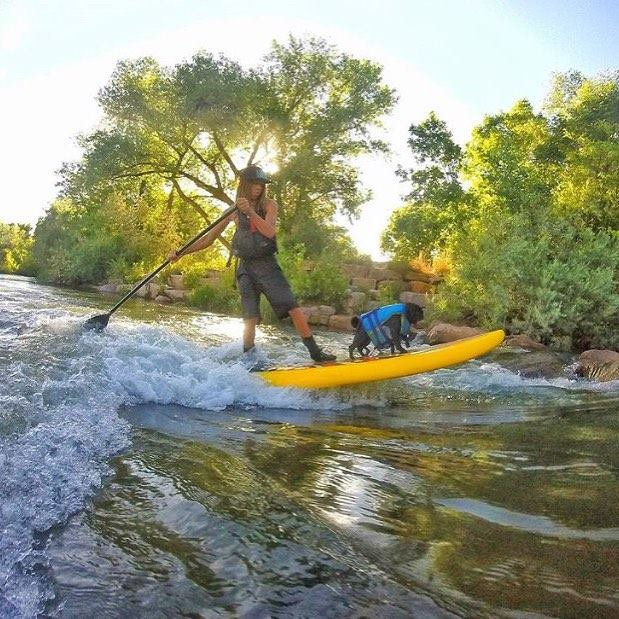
pixel 436 200
pixel 533 241
pixel 15 249
pixel 181 134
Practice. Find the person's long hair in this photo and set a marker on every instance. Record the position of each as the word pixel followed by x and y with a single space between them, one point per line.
pixel 243 191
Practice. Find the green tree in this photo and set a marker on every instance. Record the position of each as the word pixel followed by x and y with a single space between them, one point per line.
pixel 307 109
pixel 585 114
pixel 167 155
pixel 15 249
pixel 508 164
pixel 436 200
pixel 535 247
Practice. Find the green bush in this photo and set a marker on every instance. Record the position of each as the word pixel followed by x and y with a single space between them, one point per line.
pixel 291 258
pixel 220 299
pixel 390 292
pixel 549 279
pixel 324 284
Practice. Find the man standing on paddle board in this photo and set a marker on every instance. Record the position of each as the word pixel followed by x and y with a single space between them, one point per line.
pixel 258 271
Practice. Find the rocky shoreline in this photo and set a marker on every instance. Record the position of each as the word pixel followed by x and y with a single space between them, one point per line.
pixel 365 285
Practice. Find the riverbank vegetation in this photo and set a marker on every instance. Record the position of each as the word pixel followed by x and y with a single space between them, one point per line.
pixel 16 249
pixel 522 221
pixel 526 215
pixel 165 160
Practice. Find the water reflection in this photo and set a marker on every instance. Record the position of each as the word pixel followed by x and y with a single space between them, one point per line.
pixel 260 505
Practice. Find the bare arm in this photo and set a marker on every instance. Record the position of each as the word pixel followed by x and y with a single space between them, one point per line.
pixel 267 225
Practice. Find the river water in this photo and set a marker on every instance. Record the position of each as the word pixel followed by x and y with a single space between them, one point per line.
pixel 145 472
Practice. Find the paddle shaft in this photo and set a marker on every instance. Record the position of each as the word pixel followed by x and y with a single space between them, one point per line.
pixel 162 266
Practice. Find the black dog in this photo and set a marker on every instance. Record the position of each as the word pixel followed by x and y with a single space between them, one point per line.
pixel 391 328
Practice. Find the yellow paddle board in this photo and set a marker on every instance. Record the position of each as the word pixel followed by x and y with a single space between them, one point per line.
pixel 342 373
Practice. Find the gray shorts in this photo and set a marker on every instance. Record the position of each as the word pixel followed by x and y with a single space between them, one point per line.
pixel 264 276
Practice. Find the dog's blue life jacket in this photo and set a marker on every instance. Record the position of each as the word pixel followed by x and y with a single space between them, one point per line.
pixel 374 320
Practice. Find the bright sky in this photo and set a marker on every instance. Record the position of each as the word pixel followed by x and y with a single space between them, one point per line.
pixel 461 58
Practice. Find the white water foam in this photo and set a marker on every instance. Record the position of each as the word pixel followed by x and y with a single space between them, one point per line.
pixel 149 365
pixel 489 377
pixel 59 429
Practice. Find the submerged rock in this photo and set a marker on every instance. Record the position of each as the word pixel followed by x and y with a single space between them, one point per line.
pixel 522 341
pixel 600 365
pixel 535 364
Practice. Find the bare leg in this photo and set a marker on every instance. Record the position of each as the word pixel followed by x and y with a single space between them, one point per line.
pixel 249 333
pixel 299 320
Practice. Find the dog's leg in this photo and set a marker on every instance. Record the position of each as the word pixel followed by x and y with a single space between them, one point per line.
pixel 402 338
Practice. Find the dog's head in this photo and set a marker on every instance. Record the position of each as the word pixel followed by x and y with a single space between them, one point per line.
pixel 414 313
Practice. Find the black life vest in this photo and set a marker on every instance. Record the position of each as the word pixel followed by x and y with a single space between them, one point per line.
pixel 248 242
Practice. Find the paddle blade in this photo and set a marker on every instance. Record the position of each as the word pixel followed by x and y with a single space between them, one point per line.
pixel 97 323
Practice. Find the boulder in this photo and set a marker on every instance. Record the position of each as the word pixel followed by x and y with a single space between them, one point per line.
pixel 419 276
pixel 314 315
pixel 413 297
pixel 327 310
pixel 313 319
pixel 534 364
pixel 321 315
pixel 380 274
pixel 441 332
pixel 176 281
pixel 142 292
pixel 308 310
pixel 175 294
pixel 355 303
pixel 600 365
pixel 340 322
pixel 356 270
pixel 152 290
pixel 523 341
pixel 161 298
pixel 363 282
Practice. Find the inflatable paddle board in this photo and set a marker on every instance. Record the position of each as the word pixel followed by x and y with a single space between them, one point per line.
pixel 343 373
